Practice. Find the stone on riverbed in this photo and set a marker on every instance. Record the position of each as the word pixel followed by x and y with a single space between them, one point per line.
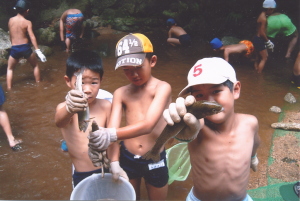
pixel 290 98
pixel 286 126
pixel 275 109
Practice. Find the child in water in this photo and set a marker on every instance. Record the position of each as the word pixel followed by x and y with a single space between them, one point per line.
pixel 225 144
pixel 244 47
pixel 66 117
pixel 19 27
pixel 73 21
pixel 143 101
pixel 177 35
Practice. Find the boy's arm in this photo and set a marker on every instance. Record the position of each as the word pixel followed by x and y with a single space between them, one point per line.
pixel 154 113
pixel 262 31
pixel 62 116
pixel 34 43
pixel 256 143
pixel 61 26
pixel 32 36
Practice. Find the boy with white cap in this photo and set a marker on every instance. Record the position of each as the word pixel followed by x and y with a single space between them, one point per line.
pixel 143 102
pixel 260 40
pixel 19 27
pixel 225 144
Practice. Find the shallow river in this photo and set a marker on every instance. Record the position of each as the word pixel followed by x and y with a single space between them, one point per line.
pixel 42 171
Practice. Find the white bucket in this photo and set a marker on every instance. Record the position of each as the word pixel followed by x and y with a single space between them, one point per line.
pixel 95 187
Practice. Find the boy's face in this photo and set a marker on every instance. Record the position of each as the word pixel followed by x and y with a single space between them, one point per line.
pixel 220 94
pixel 90 84
pixel 139 75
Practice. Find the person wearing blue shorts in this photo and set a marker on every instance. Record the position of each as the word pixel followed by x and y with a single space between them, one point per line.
pixel 177 35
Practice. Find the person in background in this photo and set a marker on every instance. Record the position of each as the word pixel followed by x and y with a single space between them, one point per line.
pixel 260 41
pixel 224 145
pixel 281 24
pixel 71 22
pixel 19 27
pixel 296 72
pixel 244 47
pixel 177 35
pixel 14 143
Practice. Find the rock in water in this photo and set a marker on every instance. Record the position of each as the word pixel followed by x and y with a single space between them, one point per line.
pixel 286 126
pixel 290 98
pixel 275 109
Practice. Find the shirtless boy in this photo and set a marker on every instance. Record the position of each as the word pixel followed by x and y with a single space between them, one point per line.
pixel 143 102
pixel 260 40
pixel 19 27
pixel 244 47
pixel 177 35
pixel 225 144
pixel 66 117
pixel 73 20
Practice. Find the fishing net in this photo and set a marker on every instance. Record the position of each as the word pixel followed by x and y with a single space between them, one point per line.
pixel 276 192
pixel 178 160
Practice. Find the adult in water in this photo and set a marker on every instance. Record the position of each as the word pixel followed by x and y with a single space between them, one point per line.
pixel 71 22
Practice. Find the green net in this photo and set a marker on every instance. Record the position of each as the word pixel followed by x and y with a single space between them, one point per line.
pixel 276 192
pixel 178 160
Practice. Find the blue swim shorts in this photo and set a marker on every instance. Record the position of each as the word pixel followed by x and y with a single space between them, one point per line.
pixel 259 43
pixel 185 40
pixel 79 176
pixel 156 174
pixel 18 51
pixel 2 96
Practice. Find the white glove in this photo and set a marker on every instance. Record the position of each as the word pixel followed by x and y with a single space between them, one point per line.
pixel 117 171
pixel 178 110
pixel 99 140
pixel 40 55
pixel 254 163
pixel 269 45
pixel 76 101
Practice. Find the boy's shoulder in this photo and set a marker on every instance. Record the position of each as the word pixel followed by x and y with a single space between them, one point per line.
pixel 247 119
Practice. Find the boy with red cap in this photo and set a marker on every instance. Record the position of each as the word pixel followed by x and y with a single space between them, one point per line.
pixel 225 144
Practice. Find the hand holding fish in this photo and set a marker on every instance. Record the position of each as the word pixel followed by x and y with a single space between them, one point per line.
pixel 100 139
pixel 178 110
pixel 117 171
pixel 76 101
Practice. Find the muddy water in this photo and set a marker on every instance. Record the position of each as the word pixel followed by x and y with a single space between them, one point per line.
pixel 42 171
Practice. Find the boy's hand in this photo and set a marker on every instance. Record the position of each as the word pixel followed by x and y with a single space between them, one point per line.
pixel 117 171
pixel 99 140
pixel 178 110
pixel 254 163
pixel 40 55
pixel 76 101
pixel 269 45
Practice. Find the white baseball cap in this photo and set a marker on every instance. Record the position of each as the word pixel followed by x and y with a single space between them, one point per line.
pixel 269 4
pixel 212 70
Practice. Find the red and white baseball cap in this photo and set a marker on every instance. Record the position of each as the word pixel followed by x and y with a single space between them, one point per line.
pixel 131 50
pixel 212 70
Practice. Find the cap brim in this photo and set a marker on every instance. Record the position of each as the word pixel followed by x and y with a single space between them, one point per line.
pixel 130 60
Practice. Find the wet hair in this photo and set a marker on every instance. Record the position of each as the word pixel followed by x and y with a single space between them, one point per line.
pixel 22 6
pixel 149 55
pixel 84 59
pixel 228 84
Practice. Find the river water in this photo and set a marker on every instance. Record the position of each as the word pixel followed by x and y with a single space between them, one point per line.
pixel 42 171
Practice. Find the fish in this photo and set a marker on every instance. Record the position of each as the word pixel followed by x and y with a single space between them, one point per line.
pixel 199 109
pixel 83 116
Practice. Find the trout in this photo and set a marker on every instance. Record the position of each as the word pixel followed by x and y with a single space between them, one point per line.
pixel 199 109
pixel 83 117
